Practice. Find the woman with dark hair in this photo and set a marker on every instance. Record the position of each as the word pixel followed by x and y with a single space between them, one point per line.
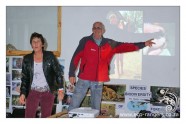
pixel 40 70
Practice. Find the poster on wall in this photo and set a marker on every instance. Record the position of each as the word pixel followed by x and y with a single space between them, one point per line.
pixel 8 91
pixel 7 64
pixel 108 109
pixel 16 75
pixel 67 99
pixel 17 63
pixel 62 66
pixel 13 82
pixel 8 78
pixel 137 98
pixel 114 93
pixel 15 101
pixel 8 86
pixel 69 87
pixel 16 88
pixel 8 105
pixel 62 63
pixel 166 101
pixel 86 101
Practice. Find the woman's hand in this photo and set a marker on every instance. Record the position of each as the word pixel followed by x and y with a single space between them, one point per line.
pixel 22 99
pixel 60 95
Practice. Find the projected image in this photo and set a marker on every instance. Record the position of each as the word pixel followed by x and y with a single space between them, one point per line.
pixel 127 66
pixel 126 21
pixel 164 37
pixel 123 26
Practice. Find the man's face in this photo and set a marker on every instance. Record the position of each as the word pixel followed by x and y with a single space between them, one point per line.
pixel 37 44
pixel 97 30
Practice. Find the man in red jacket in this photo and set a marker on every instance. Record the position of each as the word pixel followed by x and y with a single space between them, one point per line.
pixel 95 53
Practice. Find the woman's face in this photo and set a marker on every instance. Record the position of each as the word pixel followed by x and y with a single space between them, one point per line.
pixel 37 44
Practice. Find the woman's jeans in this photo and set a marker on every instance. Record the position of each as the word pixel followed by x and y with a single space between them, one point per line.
pixel 81 90
pixel 46 101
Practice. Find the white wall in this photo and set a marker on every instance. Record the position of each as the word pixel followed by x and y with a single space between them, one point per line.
pixel 22 21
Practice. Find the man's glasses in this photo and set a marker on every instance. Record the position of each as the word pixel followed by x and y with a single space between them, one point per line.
pixel 98 28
